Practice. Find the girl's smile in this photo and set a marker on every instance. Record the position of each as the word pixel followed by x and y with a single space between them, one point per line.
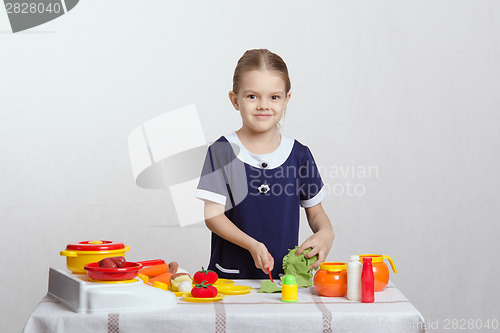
pixel 263 116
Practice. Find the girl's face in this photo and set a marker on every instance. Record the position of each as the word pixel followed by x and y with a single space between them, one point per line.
pixel 261 100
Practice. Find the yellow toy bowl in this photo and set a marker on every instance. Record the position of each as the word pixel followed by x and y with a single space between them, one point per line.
pixel 85 252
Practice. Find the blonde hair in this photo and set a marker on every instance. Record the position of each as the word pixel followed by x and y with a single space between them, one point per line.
pixel 260 59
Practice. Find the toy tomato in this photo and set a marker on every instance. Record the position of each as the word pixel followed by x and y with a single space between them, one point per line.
pixel 204 290
pixel 205 275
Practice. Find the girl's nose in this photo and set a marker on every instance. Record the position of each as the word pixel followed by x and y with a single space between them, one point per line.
pixel 262 106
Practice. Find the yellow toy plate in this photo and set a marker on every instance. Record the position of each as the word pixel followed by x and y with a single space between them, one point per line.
pixel 113 282
pixel 178 293
pixel 234 290
pixel 188 298
pixel 220 282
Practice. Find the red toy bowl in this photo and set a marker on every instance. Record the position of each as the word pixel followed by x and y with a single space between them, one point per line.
pixel 116 274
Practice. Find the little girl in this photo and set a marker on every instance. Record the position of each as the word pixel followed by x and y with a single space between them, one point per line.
pixel 254 180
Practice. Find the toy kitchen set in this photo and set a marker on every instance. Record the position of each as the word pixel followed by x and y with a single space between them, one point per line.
pixel 99 279
pixel 87 288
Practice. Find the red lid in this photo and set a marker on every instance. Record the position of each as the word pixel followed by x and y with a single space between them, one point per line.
pixel 95 245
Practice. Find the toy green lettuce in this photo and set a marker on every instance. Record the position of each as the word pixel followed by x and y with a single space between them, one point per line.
pixel 269 287
pixel 299 266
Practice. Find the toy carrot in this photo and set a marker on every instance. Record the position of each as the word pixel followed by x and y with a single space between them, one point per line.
pixel 155 270
pixel 165 278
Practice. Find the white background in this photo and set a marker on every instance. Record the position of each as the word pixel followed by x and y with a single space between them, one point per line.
pixel 410 87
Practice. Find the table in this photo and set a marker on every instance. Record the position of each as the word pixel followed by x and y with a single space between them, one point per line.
pixel 254 312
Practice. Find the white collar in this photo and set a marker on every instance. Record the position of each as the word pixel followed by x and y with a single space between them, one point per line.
pixel 272 160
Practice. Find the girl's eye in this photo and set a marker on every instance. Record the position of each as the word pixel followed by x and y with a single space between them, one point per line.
pixel 275 97
pixel 252 96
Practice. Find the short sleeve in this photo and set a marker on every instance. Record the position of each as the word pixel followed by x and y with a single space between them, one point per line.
pixel 223 178
pixel 311 186
pixel 212 185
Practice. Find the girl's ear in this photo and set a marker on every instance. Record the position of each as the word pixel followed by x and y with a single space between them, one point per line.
pixel 234 100
pixel 288 95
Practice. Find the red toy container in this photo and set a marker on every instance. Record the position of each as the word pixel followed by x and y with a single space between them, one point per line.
pixel 367 282
pixel 380 269
pixel 116 274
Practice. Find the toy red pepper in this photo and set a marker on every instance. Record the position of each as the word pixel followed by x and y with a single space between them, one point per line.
pixel 204 290
pixel 205 275
pixel 367 281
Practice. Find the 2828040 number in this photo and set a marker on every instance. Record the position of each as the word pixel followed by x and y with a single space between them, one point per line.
pixel 32 8
pixel 470 324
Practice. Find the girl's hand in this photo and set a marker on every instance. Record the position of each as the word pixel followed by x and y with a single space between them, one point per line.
pixel 321 243
pixel 261 257
pixel 219 224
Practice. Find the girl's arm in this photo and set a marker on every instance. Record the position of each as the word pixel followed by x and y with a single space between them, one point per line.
pixel 218 223
pixel 322 238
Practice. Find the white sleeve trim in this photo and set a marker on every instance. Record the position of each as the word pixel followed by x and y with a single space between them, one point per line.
pixel 211 196
pixel 226 270
pixel 314 200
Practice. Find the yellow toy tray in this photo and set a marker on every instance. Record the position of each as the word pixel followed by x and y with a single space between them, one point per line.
pixel 188 298
pixel 234 290
pixel 220 282
pixel 178 293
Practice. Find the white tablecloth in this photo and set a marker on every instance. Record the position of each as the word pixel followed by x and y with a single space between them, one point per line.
pixel 254 312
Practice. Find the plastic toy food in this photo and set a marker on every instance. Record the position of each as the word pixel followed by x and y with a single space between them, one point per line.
pixel 164 278
pixel 205 275
pixel 119 261
pixel 106 263
pixel 155 270
pixel 160 285
pixel 160 273
pixel 185 286
pixel 172 267
pixel 269 287
pixel 299 266
pixel 144 278
pixel 204 290
pixel 112 262
pixel 176 280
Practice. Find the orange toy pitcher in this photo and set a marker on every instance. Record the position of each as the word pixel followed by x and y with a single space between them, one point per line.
pixel 331 279
pixel 380 269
